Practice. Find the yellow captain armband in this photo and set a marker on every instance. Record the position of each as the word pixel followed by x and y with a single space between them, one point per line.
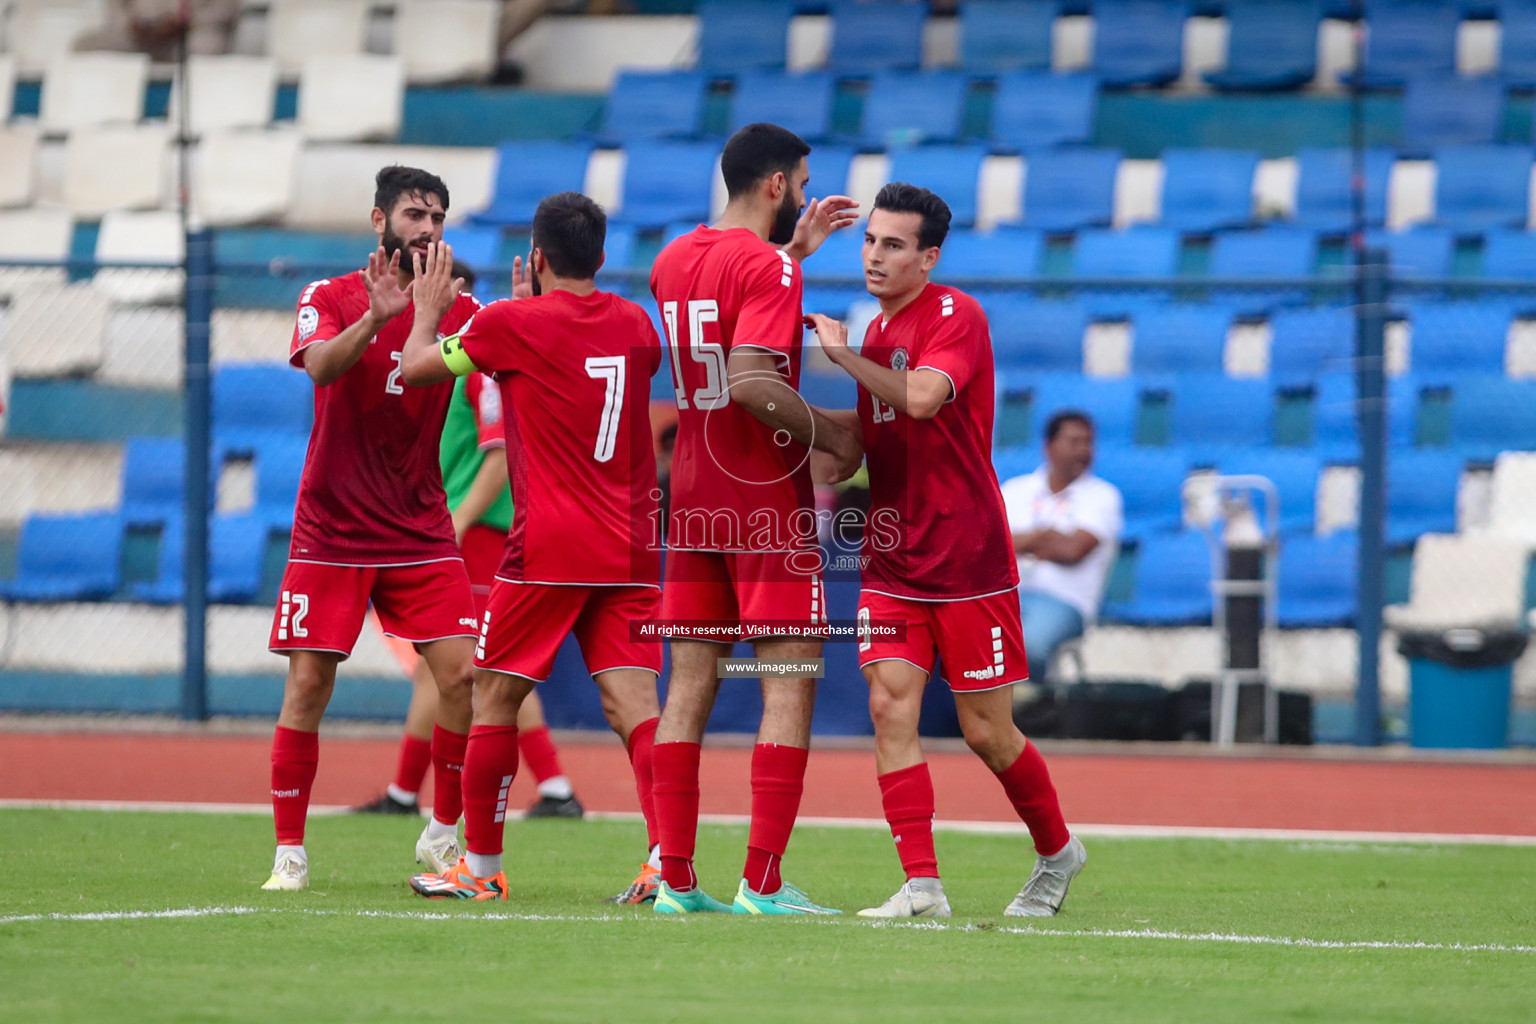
pixel 454 356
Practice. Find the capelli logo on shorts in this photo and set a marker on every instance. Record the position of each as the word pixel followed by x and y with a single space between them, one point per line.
pixel 471 623
pixel 991 672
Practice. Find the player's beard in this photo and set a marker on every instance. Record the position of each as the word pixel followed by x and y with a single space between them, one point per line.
pixel 784 221
pixel 394 243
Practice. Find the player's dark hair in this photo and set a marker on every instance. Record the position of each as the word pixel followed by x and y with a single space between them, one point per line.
pixel 465 271
pixel 899 197
pixel 759 151
pixel 395 181
pixel 569 229
pixel 1056 422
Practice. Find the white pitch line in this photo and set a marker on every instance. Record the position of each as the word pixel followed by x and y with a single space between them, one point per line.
pixel 1149 934
pixel 1002 828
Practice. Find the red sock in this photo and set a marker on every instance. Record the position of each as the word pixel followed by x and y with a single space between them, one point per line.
pixel 539 753
pixel 490 764
pixel 295 755
pixel 675 792
pixel 447 774
pixel 1028 784
pixel 411 768
pixel 641 747
pixel 907 795
pixel 778 779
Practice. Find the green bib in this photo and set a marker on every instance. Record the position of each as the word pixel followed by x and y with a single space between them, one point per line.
pixel 461 457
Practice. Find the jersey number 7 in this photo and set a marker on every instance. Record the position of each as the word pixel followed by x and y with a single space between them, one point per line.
pixel 609 370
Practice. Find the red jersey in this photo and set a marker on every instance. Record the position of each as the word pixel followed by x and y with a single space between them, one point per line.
pixel 372 490
pixel 737 484
pixel 574 374
pixel 484 397
pixel 938 530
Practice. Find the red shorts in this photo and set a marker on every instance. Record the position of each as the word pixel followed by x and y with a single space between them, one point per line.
pixel 482 549
pixel 759 594
pixel 321 607
pixel 525 623
pixel 980 640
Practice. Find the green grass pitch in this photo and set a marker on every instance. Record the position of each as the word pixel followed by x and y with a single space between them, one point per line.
pixel 1148 934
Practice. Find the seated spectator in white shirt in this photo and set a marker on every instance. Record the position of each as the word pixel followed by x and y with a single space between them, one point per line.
pixel 1066 526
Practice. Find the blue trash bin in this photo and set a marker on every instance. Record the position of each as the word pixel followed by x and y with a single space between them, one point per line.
pixel 1460 682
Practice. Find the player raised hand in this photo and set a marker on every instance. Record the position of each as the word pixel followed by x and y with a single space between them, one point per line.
pixel 522 277
pixel 386 299
pixel 833 334
pixel 436 287
pixel 818 220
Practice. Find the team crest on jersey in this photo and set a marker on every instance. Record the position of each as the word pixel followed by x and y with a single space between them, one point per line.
pixel 899 359
pixel 309 322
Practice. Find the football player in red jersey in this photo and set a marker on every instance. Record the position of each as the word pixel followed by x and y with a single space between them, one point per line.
pixel 371 522
pixel 574 365
pixel 941 567
pixel 743 557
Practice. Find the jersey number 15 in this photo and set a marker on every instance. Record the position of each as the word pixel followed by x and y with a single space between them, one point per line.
pixel 715 393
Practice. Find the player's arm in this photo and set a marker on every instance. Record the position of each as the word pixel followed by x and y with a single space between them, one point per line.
pixel 483 492
pixel 757 386
pixel 1054 546
pixel 425 360
pixel 917 393
pixel 325 361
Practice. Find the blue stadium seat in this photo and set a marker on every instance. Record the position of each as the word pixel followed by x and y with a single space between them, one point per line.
pixel 1306 343
pixel 236 546
pixel 743 35
pixel 1000 255
pixel 839 259
pixel 1420 252
pixel 907 108
pixel 829 167
pixel 801 102
pixel 1517 43
pixel 871 37
pixel 1005 35
pixel 1272 44
pixel 1451 111
pixel 1408 39
pixel 67 558
pixel 1037 334
pixel 1208 189
pixel 1138 252
pixel 154 480
pixel 1319 578
pixel 527 171
pixel 279 468
pixel 1509 255
pixel 619 255
pixel 953 172
pixel 1179 338
pixel 1454 338
pixel 1323 198
pixel 832 302
pixel 828 389
pixel 1213 413
pixel 1491 415
pixel 1294 474
pixel 254 403
pixel 1151 482
pixel 1069 189
pixel 1113 402
pixel 655 105
pixel 1482 187
pixel 1173 583
pixel 1138 42
pixel 1036 109
pixel 1421 493
pixel 667 181
pixel 1272 253
pixel 478 248
pixel 1335 415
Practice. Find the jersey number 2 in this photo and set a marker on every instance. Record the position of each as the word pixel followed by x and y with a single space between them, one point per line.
pixel 710 354
pixel 392 385
pixel 609 370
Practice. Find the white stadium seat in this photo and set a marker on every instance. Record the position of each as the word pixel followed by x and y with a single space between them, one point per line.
pixel 244 177
pixel 152 236
pixel 86 89
pixel 300 29
pixel 344 98
pixel 33 234
pixel 227 92
pixel 43 30
pixel 7 85
pixel 446 40
pixel 42 344
pixel 335 183
pixel 1513 503
pixel 1463 580
pixel 138 156
pixel 18 163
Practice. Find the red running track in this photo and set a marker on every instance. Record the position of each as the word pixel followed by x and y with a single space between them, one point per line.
pixel 1104 789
